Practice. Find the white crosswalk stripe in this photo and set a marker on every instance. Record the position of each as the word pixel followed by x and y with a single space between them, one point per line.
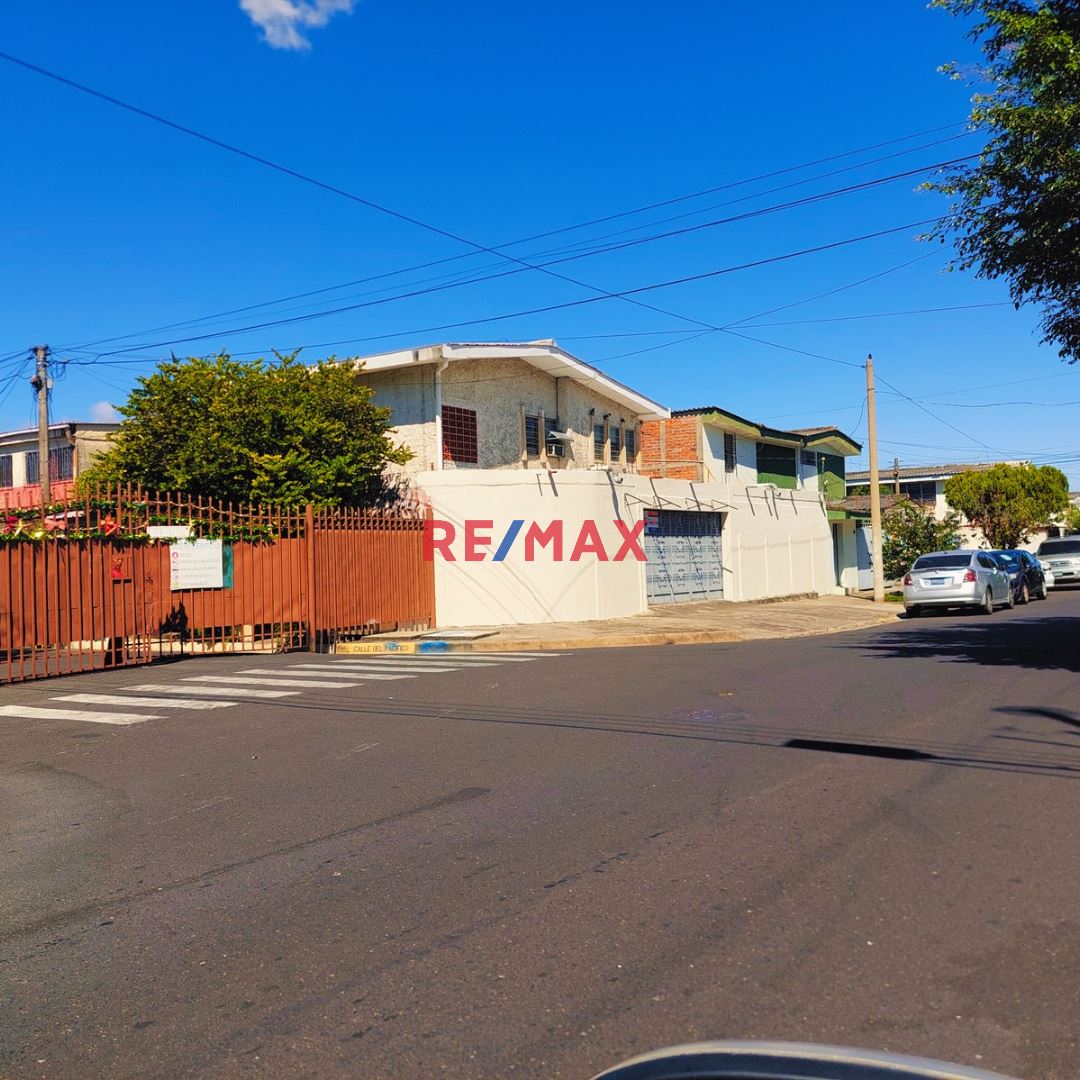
pixel 413 665
pixel 216 691
pixel 153 702
pixel 33 712
pixel 344 673
pixel 200 693
pixel 245 680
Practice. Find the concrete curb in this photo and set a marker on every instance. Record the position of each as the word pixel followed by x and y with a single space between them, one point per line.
pixel 610 641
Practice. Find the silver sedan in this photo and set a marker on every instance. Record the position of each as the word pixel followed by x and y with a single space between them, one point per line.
pixel 964 578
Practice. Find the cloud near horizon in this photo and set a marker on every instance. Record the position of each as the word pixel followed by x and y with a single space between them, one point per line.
pixel 283 22
pixel 103 411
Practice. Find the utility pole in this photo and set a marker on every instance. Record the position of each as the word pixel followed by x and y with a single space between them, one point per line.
pixel 40 382
pixel 875 488
pixel 896 475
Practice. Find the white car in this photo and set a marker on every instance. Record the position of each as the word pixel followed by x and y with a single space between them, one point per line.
pixel 1060 555
pixel 964 578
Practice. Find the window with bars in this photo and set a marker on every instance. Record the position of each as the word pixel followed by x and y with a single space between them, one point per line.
pixel 61 464
pixel 532 433
pixel 809 458
pixel 6 471
pixel 729 452
pixel 598 442
pixel 459 443
pixel 614 440
pixel 630 442
pixel 923 492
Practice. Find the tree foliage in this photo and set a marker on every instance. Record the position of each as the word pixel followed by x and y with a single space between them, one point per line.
pixel 1015 212
pixel 254 432
pixel 1009 501
pixel 908 531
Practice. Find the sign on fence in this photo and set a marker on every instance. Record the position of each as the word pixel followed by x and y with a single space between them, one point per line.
pixel 196 564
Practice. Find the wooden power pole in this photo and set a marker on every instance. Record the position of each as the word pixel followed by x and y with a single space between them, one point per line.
pixel 875 485
pixel 40 383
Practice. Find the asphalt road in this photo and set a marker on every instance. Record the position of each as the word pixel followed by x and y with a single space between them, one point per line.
pixel 538 868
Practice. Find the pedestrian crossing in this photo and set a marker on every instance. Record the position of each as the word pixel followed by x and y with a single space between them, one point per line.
pixel 151 701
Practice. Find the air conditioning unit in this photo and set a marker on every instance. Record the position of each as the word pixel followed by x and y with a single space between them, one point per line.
pixel 556 449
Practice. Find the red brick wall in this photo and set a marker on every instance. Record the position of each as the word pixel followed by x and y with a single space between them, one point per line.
pixel 672 448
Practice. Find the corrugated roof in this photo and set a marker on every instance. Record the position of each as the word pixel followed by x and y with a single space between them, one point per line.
pixel 935 472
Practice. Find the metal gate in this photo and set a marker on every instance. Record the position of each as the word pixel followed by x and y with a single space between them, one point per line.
pixel 684 560
pixel 864 555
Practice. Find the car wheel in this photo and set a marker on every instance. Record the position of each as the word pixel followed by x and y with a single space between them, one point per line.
pixel 1010 598
pixel 1043 592
pixel 987 606
pixel 1025 593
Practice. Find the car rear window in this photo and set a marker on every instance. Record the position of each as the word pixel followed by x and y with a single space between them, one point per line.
pixel 942 562
pixel 1067 546
pixel 1007 558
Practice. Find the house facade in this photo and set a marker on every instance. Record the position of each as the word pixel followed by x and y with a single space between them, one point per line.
pixel 513 441
pixel 924 485
pixel 507 406
pixel 784 488
pixel 72 448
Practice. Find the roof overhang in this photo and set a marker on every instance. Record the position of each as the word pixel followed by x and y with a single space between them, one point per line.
pixel 545 357
pixel 833 442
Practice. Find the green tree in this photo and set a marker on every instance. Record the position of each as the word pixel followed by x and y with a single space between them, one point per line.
pixel 254 432
pixel 1008 501
pixel 1071 519
pixel 1014 209
pixel 908 531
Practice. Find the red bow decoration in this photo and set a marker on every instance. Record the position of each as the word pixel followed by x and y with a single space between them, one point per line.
pixel 109 525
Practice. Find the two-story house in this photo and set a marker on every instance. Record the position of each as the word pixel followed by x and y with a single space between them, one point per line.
pixel 506 436
pixel 72 447
pixel 507 406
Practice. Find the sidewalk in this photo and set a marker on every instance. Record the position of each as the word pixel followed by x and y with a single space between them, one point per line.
pixel 674 624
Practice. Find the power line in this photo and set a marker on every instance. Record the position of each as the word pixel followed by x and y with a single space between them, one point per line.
pixel 833 245
pixel 626 295
pixel 880 314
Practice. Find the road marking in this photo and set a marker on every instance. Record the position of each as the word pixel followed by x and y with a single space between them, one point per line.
pixel 412 665
pixel 326 670
pixel 244 680
pixel 439 657
pixel 29 712
pixel 161 703
pixel 213 691
pixel 361 749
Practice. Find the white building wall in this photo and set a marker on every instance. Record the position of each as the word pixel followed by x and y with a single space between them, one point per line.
pixel 775 543
pixel 514 590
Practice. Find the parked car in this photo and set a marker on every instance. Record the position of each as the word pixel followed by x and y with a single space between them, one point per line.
pixel 963 578
pixel 1025 574
pixel 1062 556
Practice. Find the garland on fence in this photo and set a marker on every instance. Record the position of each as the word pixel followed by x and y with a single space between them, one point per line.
pixel 59 521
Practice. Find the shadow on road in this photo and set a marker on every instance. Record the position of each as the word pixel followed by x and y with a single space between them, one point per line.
pixel 1048 643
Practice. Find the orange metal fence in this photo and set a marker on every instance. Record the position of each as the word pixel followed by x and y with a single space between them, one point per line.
pixel 121 577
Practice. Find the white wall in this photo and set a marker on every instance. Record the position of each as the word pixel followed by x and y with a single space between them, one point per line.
pixel 515 591
pixel 775 543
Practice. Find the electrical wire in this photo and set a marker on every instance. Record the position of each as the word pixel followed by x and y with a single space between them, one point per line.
pixel 686 279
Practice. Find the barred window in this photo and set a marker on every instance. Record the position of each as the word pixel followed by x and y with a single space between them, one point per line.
pixel 30 465
pixel 630 442
pixel 459 442
pixel 61 463
pixel 614 440
pixel 532 433
pixel 809 457
pixel 6 473
pixel 729 452
pixel 598 442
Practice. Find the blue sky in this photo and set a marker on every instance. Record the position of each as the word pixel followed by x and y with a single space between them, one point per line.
pixel 496 122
